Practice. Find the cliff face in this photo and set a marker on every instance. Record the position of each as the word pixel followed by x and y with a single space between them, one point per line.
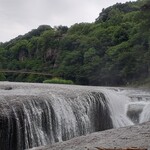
pixel 131 136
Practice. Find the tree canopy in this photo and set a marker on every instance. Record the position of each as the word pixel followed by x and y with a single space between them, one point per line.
pixel 114 50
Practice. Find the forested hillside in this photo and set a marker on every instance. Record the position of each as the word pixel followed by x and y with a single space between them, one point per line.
pixel 114 50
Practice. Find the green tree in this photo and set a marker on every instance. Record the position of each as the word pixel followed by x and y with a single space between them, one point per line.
pixel 2 77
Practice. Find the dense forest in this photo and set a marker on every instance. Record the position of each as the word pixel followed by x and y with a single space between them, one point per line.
pixel 113 50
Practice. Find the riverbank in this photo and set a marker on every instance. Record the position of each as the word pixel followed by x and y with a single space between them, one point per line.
pixel 144 83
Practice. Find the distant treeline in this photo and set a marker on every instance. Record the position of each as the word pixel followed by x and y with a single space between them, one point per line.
pixel 114 50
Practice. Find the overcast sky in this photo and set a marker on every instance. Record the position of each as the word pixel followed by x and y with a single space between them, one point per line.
pixel 17 17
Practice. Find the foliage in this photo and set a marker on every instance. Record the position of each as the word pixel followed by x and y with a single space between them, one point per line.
pixel 2 77
pixel 58 81
pixel 114 50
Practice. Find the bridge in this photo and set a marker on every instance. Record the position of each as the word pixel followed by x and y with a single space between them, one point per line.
pixel 25 72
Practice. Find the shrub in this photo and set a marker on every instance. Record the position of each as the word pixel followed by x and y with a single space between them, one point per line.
pixel 2 77
pixel 58 81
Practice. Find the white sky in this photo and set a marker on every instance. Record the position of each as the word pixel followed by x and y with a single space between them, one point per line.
pixel 18 17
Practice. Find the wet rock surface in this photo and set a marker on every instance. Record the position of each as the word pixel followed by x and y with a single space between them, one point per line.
pixel 131 136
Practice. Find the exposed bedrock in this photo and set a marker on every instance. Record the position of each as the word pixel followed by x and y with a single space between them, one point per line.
pixel 125 137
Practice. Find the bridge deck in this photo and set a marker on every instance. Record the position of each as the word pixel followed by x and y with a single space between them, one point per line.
pixel 25 72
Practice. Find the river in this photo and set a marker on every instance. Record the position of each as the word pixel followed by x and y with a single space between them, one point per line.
pixel 33 115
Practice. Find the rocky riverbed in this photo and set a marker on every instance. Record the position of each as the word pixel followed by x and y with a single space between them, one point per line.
pixel 131 136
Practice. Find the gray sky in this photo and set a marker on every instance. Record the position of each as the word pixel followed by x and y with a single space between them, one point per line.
pixel 18 17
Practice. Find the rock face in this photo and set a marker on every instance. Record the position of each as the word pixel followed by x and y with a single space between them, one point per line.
pixel 131 136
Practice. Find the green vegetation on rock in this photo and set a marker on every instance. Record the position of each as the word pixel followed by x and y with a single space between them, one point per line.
pixel 114 50
pixel 58 81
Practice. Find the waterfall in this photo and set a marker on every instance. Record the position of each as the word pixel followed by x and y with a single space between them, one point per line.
pixel 145 115
pixel 134 111
pixel 117 106
pixel 33 119
pixel 32 115
pixel 139 106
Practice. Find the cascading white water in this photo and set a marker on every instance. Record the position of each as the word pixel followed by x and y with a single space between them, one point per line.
pixel 42 115
pixel 32 115
pixel 117 105
pixel 145 115
pixel 134 110
pixel 139 106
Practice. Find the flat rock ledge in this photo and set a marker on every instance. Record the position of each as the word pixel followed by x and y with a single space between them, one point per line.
pixel 126 137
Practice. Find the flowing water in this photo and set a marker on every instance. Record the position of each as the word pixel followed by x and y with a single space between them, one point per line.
pixel 32 115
